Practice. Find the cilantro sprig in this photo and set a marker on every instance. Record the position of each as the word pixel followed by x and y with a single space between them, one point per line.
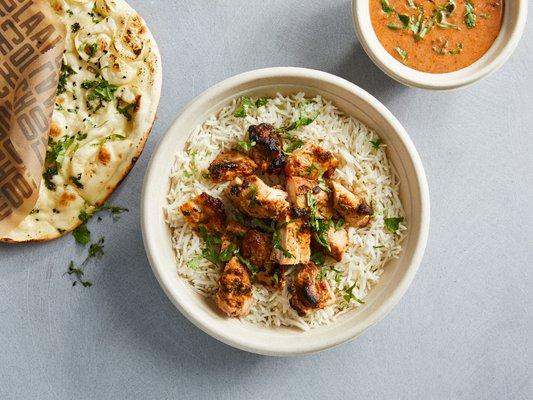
pixel 96 249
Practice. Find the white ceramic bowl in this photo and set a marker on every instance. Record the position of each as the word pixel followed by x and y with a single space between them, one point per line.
pixel 514 20
pixel 399 273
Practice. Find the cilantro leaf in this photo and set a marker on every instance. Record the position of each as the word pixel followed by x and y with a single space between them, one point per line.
pixel 470 16
pixel 393 224
pixel 376 143
pixel 81 234
pixel 304 120
pixel 319 258
pixel 349 296
pixel 99 90
pixel 252 268
pixel 246 145
pixel 386 7
pixel 242 110
pixel 261 102
pixel 276 241
pixel 194 263
pixel 65 72
pixel 319 226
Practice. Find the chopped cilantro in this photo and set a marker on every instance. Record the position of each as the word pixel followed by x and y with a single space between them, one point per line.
pixel 349 296
pixel 226 254
pixel 319 258
pixel 470 15
pixel 66 71
pixel 242 110
pixel 386 7
pixel 55 155
pixel 75 27
pixel 252 268
pixel 294 145
pixel 393 224
pixel 376 143
pixel 99 90
pixel 319 226
pixel 81 234
pixel 126 110
pixel 305 118
pixel 261 102
pixel 95 250
pixel 276 241
pixel 246 145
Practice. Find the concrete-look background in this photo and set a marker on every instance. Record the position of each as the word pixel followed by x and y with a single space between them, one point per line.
pixel 463 330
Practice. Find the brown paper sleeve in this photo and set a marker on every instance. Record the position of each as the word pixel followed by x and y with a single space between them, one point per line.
pixel 31 49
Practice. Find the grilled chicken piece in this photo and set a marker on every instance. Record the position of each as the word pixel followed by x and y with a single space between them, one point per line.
pixel 308 293
pixel 205 210
pixel 235 229
pixel 338 241
pixel 256 199
pixel 273 277
pixel 233 234
pixel 234 295
pixel 295 240
pixel 311 161
pixel 268 149
pixel 229 165
pixel 256 247
pixel 298 189
pixel 354 209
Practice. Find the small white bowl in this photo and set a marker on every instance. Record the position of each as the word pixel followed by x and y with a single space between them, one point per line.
pixel 399 273
pixel 514 20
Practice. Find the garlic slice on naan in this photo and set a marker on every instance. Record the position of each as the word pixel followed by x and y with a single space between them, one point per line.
pixel 129 40
pixel 93 42
pixel 115 70
pixel 104 7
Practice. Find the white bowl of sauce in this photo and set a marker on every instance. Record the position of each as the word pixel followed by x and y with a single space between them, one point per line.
pixel 442 44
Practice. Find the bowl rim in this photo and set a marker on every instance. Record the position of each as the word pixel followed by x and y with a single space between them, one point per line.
pixel 464 77
pixel 151 242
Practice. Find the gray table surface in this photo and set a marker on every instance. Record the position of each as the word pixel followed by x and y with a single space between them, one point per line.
pixel 463 330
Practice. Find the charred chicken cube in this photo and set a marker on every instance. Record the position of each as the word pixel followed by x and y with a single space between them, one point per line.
pixel 311 161
pixel 234 295
pixel 309 293
pixel 257 247
pixel 292 242
pixel 233 228
pixel 299 189
pixel 353 208
pixel 229 165
pixel 337 241
pixel 267 151
pixel 205 210
pixel 256 199
pixel 273 276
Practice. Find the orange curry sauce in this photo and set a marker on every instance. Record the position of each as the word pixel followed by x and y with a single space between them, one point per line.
pixel 437 36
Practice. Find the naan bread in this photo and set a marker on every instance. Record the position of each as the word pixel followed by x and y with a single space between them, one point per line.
pixel 106 102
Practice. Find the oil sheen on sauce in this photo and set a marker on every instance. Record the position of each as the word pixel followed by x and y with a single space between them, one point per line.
pixel 437 36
